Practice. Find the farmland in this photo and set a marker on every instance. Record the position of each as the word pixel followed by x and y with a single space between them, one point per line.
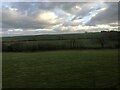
pixel 88 60
pixel 61 69
pixel 61 42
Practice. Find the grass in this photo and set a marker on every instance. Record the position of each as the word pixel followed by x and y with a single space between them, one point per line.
pixel 61 69
pixel 61 41
pixel 63 36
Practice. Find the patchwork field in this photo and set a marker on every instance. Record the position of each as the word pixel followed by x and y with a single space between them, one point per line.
pixel 61 69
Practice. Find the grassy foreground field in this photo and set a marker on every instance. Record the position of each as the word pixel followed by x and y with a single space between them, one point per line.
pixel 61 69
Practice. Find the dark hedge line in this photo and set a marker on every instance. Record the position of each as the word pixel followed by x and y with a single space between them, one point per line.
pixel 58 45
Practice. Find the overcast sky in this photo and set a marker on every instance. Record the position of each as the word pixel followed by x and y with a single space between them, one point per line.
pixel 35 18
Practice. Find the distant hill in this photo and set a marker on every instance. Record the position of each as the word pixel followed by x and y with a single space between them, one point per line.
pixel 62 36
pixel 61 41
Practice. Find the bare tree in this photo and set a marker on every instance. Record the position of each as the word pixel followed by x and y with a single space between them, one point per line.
pixel 102 42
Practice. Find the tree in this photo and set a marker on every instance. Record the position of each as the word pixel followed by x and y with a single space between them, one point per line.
pixel 72 43
pixel 102 42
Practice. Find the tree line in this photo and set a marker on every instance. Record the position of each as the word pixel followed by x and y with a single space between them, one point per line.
pixel 98 43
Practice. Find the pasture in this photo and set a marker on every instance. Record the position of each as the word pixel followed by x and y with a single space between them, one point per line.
pixel 61 69
pixel 96 40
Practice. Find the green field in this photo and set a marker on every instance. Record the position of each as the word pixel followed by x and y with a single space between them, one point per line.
pixel 61 42
pixel 61 69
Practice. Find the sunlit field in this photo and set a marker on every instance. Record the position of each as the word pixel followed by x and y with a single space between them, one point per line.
pixel 61 69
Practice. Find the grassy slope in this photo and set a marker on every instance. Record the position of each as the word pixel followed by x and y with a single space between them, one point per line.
pixel 56 42
pixel 72 69
pixel 62 36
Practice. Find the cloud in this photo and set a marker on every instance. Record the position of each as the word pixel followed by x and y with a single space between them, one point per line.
pixel 47 17
pixel 109 15
pixel 14 19
pixel 23 18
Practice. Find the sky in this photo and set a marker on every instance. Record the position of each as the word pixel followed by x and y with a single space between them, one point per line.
pixel 36 18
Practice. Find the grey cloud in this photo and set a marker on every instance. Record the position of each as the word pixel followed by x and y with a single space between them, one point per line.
pixel 110 15
pixel 34 8
pixel 20 21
